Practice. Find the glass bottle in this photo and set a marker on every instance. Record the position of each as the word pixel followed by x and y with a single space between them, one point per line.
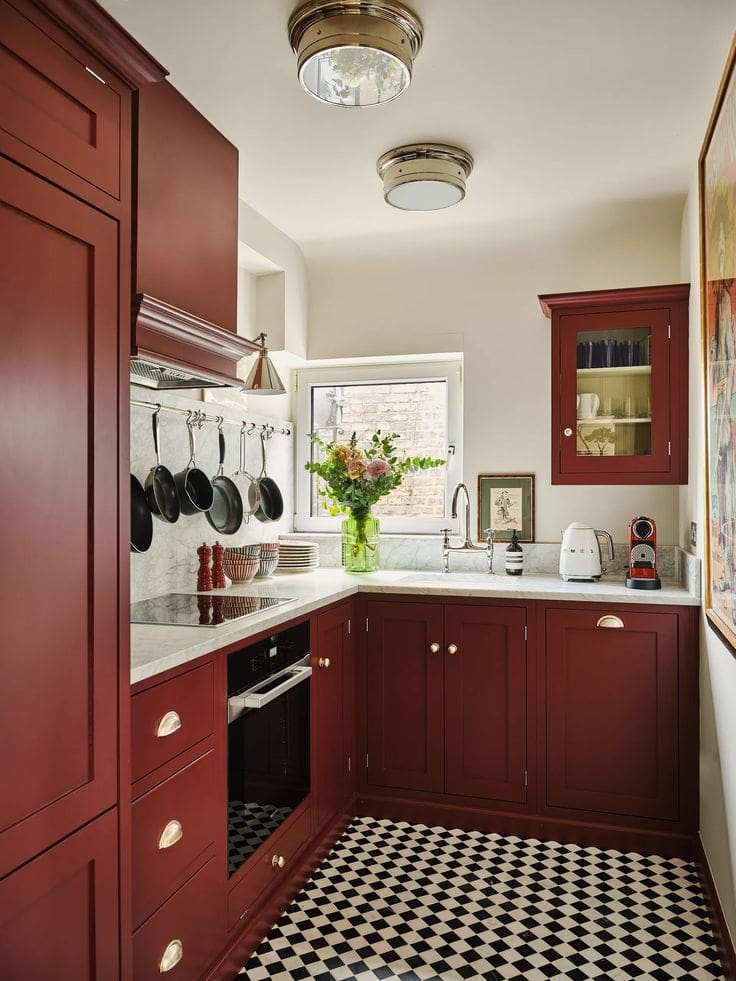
pixel 514 556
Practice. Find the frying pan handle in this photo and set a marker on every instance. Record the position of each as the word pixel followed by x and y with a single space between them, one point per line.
pixel 221 444
pixel 156 426
pixel 263 455
pixel 190 429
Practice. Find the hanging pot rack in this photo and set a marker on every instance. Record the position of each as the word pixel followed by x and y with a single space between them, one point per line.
pixel 198 418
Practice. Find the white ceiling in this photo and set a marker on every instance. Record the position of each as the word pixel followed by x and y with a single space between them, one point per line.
pixel 565 105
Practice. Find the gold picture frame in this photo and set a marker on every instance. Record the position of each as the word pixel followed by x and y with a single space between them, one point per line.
pixel 717 200
pixel 505 503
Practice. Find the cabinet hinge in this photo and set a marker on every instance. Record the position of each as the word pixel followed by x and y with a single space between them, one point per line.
pixel 526 778
pixel 669 449
pixel 95 75
pixel 349 626
pixel 366 624
pixel 350 764
pixel 669 331
pixel 526 632
pixel 366 761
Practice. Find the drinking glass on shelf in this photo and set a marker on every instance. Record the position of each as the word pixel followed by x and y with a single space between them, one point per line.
pixel 607 407
pixel 629 407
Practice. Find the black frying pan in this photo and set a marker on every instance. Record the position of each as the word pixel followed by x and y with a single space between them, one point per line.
pixel 192 484
pixel 161 494
pixel 271 506
pixel 226 513
pixel 141 522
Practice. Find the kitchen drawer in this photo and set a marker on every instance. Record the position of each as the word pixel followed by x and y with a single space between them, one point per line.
pixel 190 924
pixel 51 104
pixel 170 718
pixel 173 824
pixel 266 870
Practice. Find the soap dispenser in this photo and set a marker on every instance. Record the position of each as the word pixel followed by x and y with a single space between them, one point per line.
pixel 514 556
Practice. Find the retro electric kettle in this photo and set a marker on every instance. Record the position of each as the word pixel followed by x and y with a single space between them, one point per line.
pixel 580 555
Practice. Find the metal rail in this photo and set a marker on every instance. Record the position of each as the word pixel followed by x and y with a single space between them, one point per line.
pixel 199 418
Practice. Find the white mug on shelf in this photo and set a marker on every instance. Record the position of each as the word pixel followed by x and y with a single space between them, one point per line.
pixel 588 405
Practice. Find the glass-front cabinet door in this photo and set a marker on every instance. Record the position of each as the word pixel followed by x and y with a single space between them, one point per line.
pixel 619 386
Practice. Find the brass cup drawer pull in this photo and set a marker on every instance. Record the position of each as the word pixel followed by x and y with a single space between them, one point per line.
pixel 172 833
pixel 278 862
pixel 610 621
pixel 168 724
pixel 324 662
pixel 434 648
pixel 452 648
pixel 171 956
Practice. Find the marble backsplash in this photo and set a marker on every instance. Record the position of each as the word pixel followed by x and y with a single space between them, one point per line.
pixel 424 553
pixel 171 563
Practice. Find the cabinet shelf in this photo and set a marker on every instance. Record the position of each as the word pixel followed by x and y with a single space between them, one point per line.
pixel 613 420
pixel 635 369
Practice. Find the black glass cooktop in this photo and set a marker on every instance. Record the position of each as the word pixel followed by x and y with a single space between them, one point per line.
pixel 200 609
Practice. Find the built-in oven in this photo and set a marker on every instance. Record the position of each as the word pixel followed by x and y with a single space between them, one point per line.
pixel 268 738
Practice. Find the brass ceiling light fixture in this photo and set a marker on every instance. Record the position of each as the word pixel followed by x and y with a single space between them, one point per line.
pixel 355 52
pixel 263 379
pixel 424 176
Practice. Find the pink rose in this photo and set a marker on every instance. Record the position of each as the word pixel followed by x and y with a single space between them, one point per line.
pixel 376 468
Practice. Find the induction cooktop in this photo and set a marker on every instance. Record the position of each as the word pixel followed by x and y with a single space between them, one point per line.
pixel 200 609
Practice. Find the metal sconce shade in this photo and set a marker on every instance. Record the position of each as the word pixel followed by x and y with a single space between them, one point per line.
pixel 263 379
pixel 424 176
pixel 355 52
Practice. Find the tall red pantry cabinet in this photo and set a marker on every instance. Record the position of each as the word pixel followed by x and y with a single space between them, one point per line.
pixel 65 227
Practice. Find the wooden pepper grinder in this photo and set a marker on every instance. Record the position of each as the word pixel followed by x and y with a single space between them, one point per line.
pixel 218 573
pixel 204 576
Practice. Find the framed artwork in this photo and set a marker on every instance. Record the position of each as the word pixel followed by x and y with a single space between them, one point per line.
pixel 505 504
pixel 717 190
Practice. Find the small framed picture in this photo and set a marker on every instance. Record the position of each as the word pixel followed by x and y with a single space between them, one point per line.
pixel 506 504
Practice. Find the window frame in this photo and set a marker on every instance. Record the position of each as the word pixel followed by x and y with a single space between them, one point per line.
pixel 305 379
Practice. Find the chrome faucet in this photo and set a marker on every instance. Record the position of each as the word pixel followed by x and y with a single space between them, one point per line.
pixel 467 545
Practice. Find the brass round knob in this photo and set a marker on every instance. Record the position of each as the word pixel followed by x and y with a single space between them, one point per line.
pixel 434 648
pixel 567 431
pixel 324 662
pixel 278 862
pixel 452 648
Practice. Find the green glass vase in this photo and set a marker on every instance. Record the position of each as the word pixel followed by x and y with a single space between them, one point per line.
pixel 361 543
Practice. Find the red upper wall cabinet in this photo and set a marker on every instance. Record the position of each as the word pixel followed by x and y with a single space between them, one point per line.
pixel 619 385
pixel 187 208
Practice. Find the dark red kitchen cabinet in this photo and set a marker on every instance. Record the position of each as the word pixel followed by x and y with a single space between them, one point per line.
pixel 405 698
pixel 485 702
pixel 332 712
pixel 187 210
pixel 619 385
pixel 58 914
pixel 59 423
pixel 612 712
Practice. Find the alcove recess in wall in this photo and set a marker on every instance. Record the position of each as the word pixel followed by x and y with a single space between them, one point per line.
pixel 261 298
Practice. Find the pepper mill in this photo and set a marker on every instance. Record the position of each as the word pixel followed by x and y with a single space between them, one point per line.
pixel 218 573
pixel 204 576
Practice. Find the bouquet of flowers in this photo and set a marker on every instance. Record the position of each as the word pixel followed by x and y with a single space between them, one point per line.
pixel 354 479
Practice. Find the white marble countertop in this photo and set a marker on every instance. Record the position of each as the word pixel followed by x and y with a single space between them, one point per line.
pixel 156 648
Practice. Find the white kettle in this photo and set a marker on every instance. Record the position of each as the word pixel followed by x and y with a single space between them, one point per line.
pixel 580 555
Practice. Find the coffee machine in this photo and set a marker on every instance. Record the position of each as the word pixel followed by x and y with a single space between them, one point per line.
pixel 642 571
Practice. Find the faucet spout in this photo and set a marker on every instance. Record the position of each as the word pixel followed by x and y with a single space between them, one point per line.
pixel 462 487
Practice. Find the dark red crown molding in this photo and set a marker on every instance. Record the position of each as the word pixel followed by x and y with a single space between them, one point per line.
pixel 636 295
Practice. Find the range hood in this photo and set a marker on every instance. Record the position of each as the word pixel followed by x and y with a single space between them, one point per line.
pixel 174 349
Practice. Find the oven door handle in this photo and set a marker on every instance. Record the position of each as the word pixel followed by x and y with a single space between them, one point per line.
pixel 237 704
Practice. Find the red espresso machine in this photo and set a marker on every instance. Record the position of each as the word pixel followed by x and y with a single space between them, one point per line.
pixel 642 571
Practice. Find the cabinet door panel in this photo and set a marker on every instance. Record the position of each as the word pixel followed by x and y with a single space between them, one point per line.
pixel 51 103
pixel 485 693
pixel 405 696
pixel 58 430
pixel 58 914
pixel 612 713
pixel 331 780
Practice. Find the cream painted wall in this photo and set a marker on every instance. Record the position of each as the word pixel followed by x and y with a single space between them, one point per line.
pixel 718 664
pixel 431 294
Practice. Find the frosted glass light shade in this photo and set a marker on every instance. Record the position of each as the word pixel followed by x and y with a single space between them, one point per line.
pixel 424 176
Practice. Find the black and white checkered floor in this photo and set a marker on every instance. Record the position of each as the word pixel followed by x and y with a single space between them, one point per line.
pixel 395 900
pixel 248 826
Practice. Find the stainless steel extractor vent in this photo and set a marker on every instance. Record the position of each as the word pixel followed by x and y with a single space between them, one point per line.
pixel 156 376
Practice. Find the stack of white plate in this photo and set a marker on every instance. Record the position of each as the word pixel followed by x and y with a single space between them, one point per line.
pixel 296 555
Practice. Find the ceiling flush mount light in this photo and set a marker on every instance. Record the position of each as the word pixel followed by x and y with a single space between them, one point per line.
pixel 355 52
pixel 424 176
pixel 263 379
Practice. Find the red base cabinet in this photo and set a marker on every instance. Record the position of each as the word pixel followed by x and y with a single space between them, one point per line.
pixel 446 699
pixel 612 725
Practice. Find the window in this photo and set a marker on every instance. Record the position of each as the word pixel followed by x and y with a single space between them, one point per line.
pixel 420 401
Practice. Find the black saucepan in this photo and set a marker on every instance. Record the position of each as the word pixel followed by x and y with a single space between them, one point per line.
pixel 271 506
pixel 161 493
pixel 192 484
pixel 141 522
pixel 226 513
